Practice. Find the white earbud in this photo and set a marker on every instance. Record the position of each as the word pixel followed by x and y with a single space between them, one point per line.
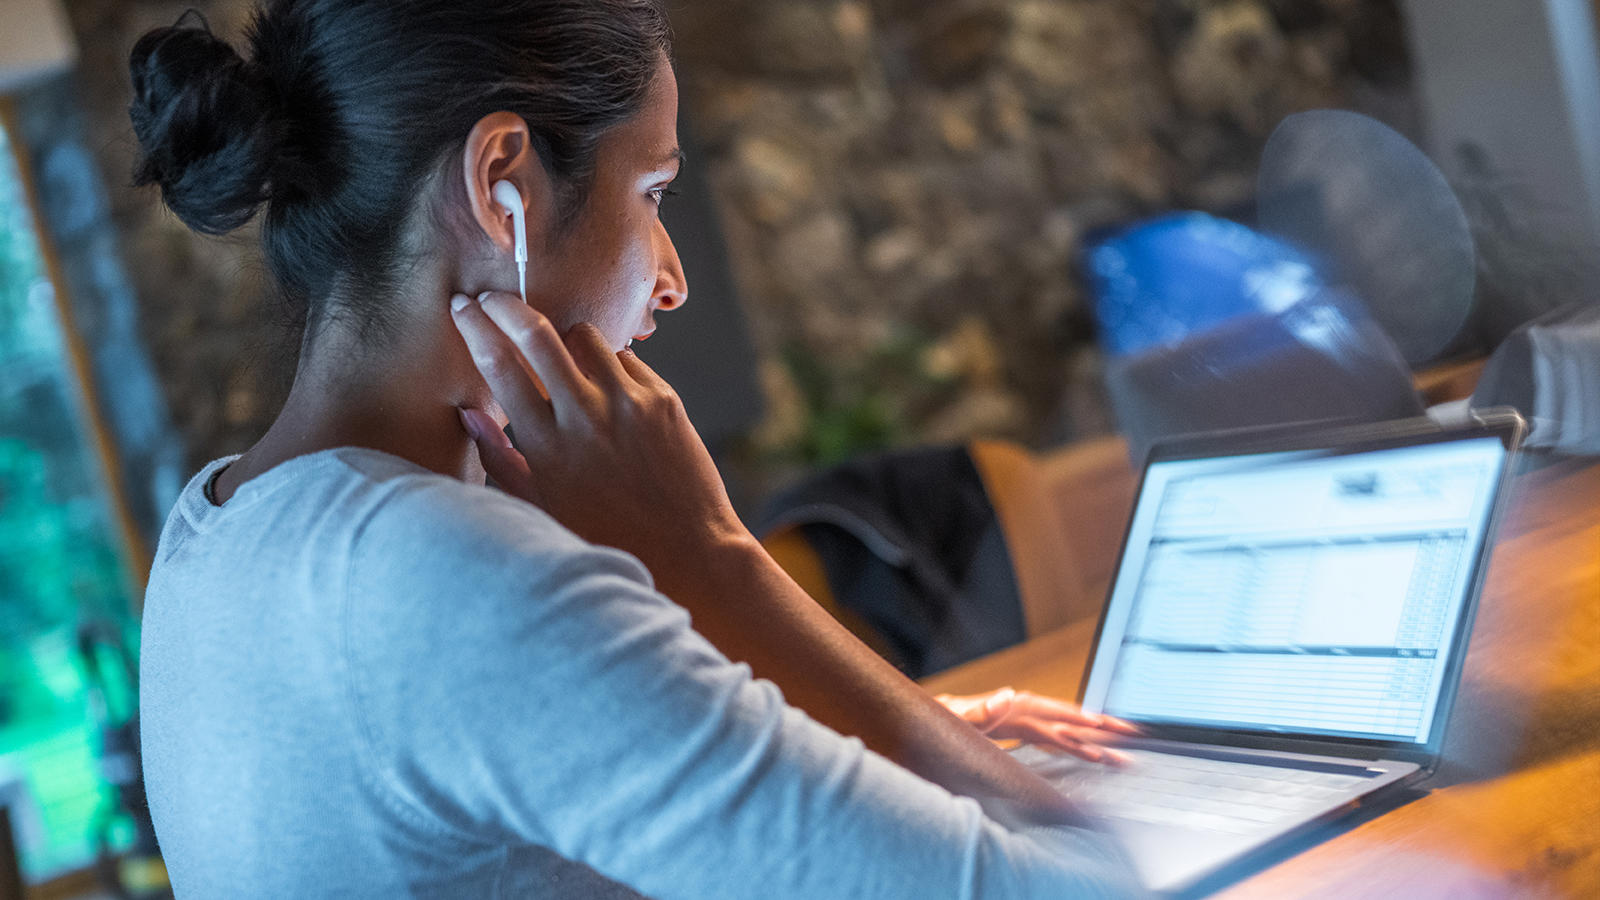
pixel 509 198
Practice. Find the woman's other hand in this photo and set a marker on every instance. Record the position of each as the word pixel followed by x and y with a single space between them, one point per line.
pixel 602 442
pixel 1008 714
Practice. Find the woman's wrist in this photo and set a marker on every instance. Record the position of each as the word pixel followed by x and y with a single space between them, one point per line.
pixel 706 561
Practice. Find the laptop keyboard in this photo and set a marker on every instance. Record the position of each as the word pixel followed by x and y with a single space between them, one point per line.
pixel 1213 795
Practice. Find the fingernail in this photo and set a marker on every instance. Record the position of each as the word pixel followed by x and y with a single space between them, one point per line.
pixel 484 296
pixel 467 422
pixel 459 302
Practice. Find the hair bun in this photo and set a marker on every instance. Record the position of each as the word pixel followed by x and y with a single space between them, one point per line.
pixel 206 127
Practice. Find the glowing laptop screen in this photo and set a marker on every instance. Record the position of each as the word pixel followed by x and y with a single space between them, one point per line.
pixel 1313 591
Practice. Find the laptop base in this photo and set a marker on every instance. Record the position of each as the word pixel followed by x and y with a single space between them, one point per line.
pixel 1184 812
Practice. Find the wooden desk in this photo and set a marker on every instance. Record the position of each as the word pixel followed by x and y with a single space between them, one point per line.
pixel 1515 807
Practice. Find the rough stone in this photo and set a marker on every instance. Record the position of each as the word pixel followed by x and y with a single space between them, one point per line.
pixel 893 250
pixel 1228 64
pixel 774 183
pixel 878 166
pixel 959 42
pixel 813 41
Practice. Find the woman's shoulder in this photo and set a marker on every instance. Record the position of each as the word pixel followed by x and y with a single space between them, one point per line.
pixel 445 570
pixel 424 528
pixel 411 499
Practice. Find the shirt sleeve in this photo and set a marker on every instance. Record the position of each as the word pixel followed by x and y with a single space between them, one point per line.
pixel 516 684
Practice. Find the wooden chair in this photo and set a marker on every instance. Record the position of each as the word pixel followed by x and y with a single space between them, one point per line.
pixel 1044 540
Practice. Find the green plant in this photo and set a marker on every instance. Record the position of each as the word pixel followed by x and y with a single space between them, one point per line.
pixel 866 404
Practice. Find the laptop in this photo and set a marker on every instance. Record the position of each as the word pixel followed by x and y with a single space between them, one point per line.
pixel 1287 625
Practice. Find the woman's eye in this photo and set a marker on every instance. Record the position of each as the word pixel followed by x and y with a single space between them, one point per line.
pixel 659 194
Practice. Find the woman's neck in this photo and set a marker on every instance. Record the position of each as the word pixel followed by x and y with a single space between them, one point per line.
pixel 402 402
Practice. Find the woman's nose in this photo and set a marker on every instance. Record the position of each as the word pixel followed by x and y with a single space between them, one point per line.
pixel 671 299
pixel 672 287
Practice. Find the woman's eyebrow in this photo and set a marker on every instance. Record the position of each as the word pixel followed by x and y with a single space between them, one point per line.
pixel 673 155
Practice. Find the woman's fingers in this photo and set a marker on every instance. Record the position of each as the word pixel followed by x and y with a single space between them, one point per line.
pixel 1080 742
pixel 1041 707
pixel 535 338
pixel 984 712
pixel 1112 723
pixel 502 461
pixel 1008 714
pixel 501 364
pixel 988 711
pixel 1025 703
pixel 594 356
pixel 638 371
pixel 1029 704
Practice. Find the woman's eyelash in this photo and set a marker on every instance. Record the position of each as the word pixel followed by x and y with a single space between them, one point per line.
pixel 663 193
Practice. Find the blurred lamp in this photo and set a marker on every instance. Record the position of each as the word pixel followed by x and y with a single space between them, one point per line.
pixel 35 42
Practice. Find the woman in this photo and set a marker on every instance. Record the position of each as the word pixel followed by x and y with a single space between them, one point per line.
pixel 365 673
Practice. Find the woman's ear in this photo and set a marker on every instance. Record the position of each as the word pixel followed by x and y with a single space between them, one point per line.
pixel 499 149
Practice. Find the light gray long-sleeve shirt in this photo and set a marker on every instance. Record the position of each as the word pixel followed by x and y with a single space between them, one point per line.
pixel 361 678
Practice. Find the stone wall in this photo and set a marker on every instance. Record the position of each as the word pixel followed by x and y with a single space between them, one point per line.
pixel 903 185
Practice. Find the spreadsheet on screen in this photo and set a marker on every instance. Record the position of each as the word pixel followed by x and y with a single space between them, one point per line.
pixel 1297 592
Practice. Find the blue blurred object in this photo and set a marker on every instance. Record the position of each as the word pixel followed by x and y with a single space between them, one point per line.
pixel 1363 266
pixel 1158 282
pixel 1211 325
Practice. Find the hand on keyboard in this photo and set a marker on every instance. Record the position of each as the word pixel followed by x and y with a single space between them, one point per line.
pixel 1009 714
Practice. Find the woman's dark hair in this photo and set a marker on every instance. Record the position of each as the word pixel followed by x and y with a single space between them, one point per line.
pixel 346 108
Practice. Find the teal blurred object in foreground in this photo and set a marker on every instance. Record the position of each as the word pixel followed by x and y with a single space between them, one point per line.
pixel 60 562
